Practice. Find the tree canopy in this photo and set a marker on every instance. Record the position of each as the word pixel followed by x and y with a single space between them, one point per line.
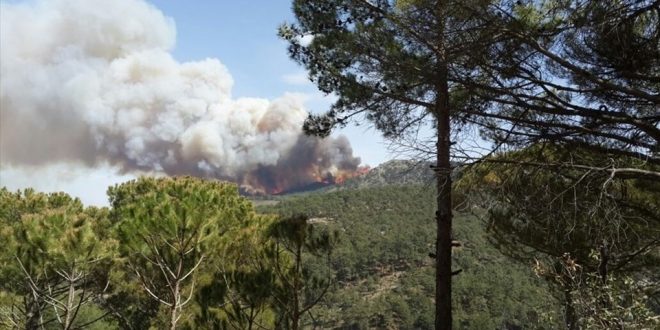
pixel 54 264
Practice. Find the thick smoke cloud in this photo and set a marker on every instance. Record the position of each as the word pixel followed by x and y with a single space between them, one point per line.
pixel 94 82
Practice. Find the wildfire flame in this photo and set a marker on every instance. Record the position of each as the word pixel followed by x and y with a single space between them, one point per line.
pixel 316 179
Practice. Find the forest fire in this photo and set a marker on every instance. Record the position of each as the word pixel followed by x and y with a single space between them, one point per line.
pixel 305 182
pixel 143 111
pixel 342 177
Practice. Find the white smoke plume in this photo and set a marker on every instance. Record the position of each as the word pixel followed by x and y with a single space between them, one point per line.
pixel 93 81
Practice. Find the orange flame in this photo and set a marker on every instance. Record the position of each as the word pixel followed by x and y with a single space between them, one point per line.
pixel 312 179
pixel 341 177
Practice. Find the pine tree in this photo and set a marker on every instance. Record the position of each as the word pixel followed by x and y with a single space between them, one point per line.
pixel 398 64
pixel 298 287
pixel 576 73
pixel 172 228
pixel 54 262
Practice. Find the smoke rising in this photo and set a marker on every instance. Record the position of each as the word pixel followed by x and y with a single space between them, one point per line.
pixel 94 82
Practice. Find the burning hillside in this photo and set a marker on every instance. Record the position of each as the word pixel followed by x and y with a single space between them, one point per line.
pixel 319 180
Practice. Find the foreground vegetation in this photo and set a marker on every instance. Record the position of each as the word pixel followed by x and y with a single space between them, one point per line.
pixel 187 253
pixel 168 253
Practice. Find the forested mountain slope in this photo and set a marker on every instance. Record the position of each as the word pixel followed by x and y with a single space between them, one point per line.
pixel 384 272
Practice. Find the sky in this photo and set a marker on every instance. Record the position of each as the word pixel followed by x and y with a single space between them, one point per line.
pixel 241 35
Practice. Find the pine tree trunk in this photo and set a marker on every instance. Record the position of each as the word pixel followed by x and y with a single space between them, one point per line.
pixel 173 317
pixel 175 304
pixel 69 305
pixel 443 215
pixel 443 319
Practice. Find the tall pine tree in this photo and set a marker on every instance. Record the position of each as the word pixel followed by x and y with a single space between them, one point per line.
pixel 398 64
pixel 576 73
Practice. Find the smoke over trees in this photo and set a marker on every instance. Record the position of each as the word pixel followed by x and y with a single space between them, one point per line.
pixel 94 82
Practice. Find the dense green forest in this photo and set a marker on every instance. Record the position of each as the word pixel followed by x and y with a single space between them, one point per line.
pixel 385 276
pixel 189 253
